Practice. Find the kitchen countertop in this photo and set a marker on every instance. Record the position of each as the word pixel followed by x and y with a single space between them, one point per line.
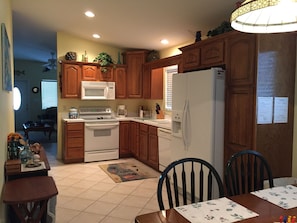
pixel 161 123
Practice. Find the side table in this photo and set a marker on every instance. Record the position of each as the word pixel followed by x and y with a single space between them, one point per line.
pixel 28 192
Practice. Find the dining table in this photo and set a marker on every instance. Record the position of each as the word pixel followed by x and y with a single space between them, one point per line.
pixel 267 211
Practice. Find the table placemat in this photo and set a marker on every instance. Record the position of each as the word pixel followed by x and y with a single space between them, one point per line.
pixel 283 196
pixel 215 211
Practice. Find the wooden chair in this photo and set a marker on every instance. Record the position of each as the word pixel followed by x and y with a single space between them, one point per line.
pixel 188 180
pixel 246 172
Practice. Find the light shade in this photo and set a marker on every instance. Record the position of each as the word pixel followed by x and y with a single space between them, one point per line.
pixel 265 16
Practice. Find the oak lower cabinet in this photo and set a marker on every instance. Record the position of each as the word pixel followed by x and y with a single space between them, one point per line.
pixel 73 146
pixel 124 139
pixel 153 148
pixel 71 79
pixel 134 139
pixel 148 145
pixel 143 142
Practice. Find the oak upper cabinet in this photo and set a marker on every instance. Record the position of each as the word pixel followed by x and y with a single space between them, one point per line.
pixel 134 61
pixel 73 148
pixel 89 73
pixel 212 53
pixel 153 150
pixel 124 139
pixel 106 73
pixel 120 81
pixel 241 56
pixel 190 57
pixel 71 79
pixel 153 83
pixel 134 139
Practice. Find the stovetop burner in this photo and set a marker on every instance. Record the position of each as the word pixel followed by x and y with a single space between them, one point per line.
pixel 96 113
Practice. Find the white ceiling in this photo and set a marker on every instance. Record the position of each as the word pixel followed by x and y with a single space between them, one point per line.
pixel 123 23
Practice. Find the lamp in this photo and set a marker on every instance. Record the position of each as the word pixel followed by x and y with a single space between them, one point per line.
pixel 265 16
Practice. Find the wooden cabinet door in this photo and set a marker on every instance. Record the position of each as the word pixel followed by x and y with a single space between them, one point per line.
pixel 239 120
pixel 73 149
pixel 153 83
pixel 105 73
pixel 124 139
pixel 153 149
pixel 190 57
pixel 241 59
pixel 212 54
pixel 71 80
pixel 89 73
pixel 120 82
pixel 143 142
pixel 135 61
pixel 134 139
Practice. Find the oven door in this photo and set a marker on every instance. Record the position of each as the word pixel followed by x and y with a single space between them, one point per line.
pixel 101 136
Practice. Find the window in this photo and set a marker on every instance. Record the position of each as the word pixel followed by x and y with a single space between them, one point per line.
pixel 169 71
pixel 17 98
pixel 49 93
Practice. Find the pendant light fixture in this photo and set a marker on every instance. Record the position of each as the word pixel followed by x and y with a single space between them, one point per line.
pixel 265 16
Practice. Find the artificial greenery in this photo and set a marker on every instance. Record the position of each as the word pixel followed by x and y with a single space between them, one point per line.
pixel 104 60
pixel 223 28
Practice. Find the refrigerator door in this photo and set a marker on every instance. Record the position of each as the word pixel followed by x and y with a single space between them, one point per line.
pixel 201 91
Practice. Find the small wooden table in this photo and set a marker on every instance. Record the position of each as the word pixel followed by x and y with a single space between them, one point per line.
pixel 13 168
pixel 267 211
pixel 38 128
pixel 29 197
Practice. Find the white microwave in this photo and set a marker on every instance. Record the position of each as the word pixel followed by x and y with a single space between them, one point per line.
pixel 97 90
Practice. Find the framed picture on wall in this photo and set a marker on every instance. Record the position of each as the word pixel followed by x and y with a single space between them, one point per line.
pixel 6 65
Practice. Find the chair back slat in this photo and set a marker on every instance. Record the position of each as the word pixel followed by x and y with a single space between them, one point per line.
pixel 181 178
pixel 176 196
pixel 169 195
pixel 193 194
pixel 254 169
pixel 201 183
pixel 209 188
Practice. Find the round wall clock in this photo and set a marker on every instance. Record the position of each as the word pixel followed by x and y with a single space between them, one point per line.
pixel 35 90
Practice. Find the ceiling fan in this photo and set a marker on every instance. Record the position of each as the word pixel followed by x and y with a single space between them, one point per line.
pixel 51 64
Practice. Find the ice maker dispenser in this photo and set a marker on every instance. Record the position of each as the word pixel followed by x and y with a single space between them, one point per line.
pixel 177 123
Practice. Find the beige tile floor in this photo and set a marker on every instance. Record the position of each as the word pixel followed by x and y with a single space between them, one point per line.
pixel 87 194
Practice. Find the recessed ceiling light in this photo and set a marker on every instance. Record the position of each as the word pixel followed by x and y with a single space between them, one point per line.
pixel 164 41
pixel 89 14
pixel 96 36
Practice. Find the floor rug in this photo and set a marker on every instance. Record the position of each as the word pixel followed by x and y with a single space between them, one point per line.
pixel 128 171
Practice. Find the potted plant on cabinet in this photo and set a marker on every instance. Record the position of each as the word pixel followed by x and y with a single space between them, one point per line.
pixel 104 60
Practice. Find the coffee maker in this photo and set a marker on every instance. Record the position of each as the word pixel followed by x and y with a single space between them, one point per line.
pixel 122 111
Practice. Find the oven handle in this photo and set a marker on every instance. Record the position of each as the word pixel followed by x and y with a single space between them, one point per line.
pixel 101 126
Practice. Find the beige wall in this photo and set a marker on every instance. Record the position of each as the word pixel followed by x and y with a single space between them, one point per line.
pixel 6 106
pixel 173 50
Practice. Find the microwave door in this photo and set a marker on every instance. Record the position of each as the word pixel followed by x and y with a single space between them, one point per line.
pixel 95 93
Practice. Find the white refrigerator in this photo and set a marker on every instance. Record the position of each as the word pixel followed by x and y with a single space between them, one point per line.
pixel 198 116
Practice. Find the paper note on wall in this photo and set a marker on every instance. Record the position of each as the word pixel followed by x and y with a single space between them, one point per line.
pixel 265 110
pixel 280 110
